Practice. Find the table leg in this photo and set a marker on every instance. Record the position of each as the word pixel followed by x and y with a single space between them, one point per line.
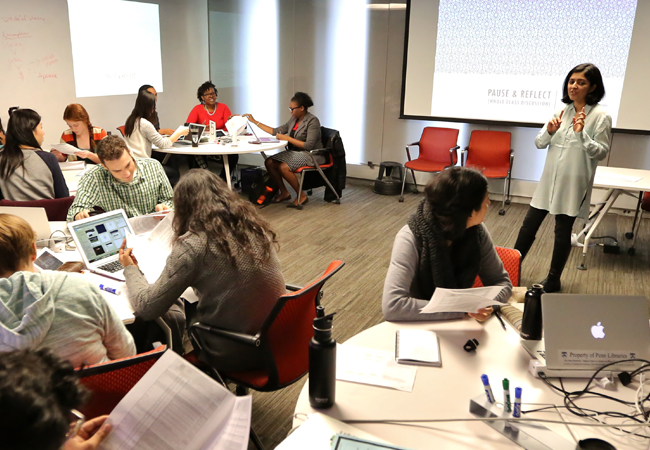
pixel 166 158
pixel 601 215
pixel 226 167
pixel 590 221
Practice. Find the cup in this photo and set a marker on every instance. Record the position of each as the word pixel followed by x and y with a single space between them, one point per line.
pixel 196 136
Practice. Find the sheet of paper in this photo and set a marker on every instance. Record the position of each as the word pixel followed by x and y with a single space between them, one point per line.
pixel 72 165
pixel 152 244
pixel 316 432
pixel 375 367
pixel 182 128
pixel 462 300
pixel 236 433
pixel 174 406
pixel 120 303
pixel 66 149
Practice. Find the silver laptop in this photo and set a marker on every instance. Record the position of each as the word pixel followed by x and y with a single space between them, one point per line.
pixel 35 217
pixel 98 240
pixel 582 333
pixel 264 140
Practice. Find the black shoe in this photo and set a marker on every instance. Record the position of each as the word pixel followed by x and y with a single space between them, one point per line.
pixel 552 285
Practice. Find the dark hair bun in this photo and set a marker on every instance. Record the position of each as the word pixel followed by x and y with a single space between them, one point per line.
pixel 302 99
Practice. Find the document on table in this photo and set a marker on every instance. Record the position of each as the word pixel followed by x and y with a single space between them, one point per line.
pixel 175 406
pixel 152 244
pixel 375 367
pixel 66 149
pixel 462 300
pixel 73 165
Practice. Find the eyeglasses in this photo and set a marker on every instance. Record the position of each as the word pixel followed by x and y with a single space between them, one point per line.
pixel 210 94
pixel 295 107
pixel 76 422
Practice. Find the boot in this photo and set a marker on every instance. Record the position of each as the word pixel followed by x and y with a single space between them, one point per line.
pixel 552 282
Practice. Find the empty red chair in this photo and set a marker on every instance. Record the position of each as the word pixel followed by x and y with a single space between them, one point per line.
pixel 511 259
pixel 56 208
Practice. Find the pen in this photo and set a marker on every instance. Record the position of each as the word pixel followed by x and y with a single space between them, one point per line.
pixel 506 395
pixel 498 314
pixel 516 412
pixel 488 389
pixel 103 287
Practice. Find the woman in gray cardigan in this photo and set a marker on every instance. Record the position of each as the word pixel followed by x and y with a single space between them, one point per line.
pixel 446 245
pixel 302 132
pixel 226 252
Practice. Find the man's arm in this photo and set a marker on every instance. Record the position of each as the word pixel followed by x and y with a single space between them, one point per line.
pixel 165 191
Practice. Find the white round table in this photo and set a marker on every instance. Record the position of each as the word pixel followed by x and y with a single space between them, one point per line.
pixel 209 149
pixel 445 393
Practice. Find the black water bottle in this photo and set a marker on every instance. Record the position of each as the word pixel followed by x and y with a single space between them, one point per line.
pixel 531 324
pixel 322 362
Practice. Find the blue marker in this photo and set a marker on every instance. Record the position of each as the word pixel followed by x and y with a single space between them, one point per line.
pixel 488 389
pixel 103 287
pixel 516 412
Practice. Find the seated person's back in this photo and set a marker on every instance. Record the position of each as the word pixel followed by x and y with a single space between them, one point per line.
pixel 59 310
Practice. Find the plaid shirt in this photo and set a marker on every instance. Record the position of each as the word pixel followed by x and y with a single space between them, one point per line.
pixel 149 187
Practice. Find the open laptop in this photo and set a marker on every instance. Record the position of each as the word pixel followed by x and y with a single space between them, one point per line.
pixel 582 333
pixel 35 217
pixel 264 140
pixel 98 240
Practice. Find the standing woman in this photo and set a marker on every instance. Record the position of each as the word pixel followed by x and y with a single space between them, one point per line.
pixel 26 171
pixel 80 134
pixel 577 136
pixel 302 132
pixel 223 249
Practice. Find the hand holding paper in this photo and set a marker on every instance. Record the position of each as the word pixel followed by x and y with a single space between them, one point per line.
pixel 462 300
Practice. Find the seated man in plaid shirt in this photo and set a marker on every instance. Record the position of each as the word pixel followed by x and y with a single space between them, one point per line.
pixel 137 185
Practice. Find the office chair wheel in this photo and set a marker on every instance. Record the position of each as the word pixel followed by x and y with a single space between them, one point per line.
pixel 401 199
pixel 299 207
pixel 309 192
pixel 502 212
pixel 337 201
pixel 508 202
pixel 629 235
pixel 631 251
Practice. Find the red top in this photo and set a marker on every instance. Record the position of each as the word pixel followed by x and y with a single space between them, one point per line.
pixel 200 115
pixel 295 127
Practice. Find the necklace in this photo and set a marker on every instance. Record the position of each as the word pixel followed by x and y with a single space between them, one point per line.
pixel 210 113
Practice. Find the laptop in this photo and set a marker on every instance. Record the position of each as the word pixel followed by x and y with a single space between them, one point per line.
pixel 98 240
pixel 264 140
pixel 582 333
pixel 35 217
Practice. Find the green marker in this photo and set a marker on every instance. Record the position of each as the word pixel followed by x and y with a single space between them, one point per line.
pixel 506 395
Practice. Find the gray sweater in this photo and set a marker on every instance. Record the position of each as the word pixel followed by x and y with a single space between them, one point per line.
pixel 234 298
pixel 40 178
pixel 402 300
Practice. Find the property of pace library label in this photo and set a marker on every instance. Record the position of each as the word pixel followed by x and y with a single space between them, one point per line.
pixel 590 357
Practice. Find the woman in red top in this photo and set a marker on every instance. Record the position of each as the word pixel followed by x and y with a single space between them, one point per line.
pixel 210 110
pixel 81 134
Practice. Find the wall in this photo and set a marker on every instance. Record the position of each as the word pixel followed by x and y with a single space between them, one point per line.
pixel 36 58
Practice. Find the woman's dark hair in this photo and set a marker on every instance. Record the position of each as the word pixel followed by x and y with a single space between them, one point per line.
pixel 37 392
pixel 302 99
pixel 20 131
pixel 145 107
pixel 204 204
pixel 453 195
pixel 204 87
pixel 145 87
pixel 592 74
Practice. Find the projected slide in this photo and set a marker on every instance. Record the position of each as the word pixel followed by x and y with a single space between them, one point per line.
pixel 505 60
pixel 115 46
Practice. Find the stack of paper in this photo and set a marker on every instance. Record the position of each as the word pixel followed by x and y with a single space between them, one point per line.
pixel 375 367
pixel 462 300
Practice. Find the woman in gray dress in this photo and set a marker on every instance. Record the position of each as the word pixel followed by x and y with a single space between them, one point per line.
pixel 302 132
pixel 577 137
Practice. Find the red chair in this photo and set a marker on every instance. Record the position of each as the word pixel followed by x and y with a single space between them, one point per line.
pixel 438 150
pixel 121 129
pixel 511 259
pixel 283 340
pixel 109 382
pixel 490 152
pixel 56 208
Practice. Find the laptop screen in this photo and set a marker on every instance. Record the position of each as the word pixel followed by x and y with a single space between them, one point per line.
pixel 101 238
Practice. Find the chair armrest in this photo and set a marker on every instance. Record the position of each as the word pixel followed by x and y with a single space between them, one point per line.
pixel 232 335
pixel 451 154
pixel 414 143
pixel 463 156
pixel 293 287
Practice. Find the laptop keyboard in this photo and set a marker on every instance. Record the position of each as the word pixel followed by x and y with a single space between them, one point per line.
pixel 112 267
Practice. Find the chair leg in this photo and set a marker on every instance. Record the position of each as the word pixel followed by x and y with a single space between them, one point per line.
pixel 401 196
pixel 509 183
pixel 256 440
pixel 415 183
pixel 322 174
pixel 630 234
pixel 502 211
pixel 302 179
pixel 635 231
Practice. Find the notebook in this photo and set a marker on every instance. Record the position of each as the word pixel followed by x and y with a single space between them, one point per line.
pixel 35 217
pixel 586 332
pixel 98 240
pixel 419 347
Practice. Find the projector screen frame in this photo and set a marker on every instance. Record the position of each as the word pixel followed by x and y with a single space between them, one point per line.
pixel 500 123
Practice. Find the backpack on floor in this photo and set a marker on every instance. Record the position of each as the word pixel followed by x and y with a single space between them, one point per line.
pixel 262 190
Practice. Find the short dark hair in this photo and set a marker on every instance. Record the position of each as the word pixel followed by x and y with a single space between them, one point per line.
pixel 453 195
pixel 592 74
pixel 20 131
pixel 37 391
pixel 302 99
pixel 111 148
pixel 204 87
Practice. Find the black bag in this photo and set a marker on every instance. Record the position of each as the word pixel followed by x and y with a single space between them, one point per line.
pixel 262 189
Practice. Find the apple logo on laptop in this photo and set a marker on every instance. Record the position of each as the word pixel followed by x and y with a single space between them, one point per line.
pixel 597 331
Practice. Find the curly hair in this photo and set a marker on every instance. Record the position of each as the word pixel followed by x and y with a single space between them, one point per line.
pixel 204 87
pixel 302 99
pixel 204 204
pixel 37 392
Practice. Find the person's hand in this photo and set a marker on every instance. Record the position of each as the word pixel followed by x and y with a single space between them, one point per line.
pixel 83 154
pixel 554 124
pixel 82 215
pixel 161 207
pixel 91 434
pixel 59 156
pixel 250 117
pixel 126 256
pixel 579 120
pixel 282 137
pixel 483 314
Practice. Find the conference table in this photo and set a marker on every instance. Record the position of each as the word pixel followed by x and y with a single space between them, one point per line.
pixel 242 146
pixel 617 181
pixel 445 392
